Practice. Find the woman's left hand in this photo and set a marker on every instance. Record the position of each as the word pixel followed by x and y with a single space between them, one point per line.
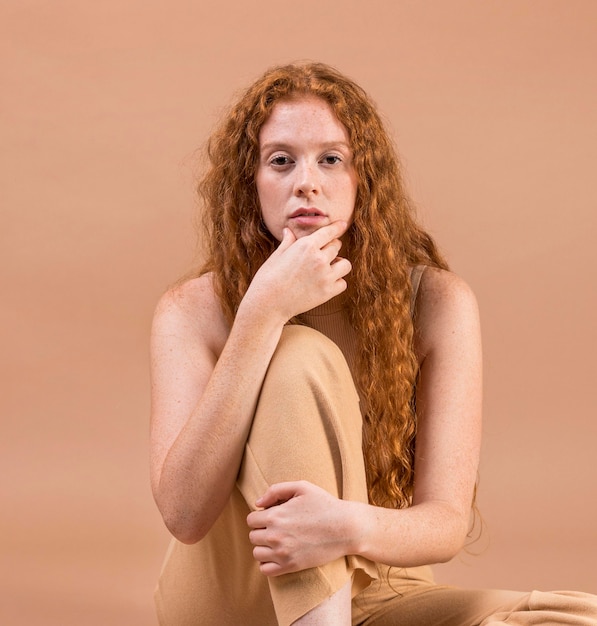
pixel 300 526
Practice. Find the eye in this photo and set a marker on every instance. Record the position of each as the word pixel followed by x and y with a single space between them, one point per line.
pixel 331 159
pixel 280 160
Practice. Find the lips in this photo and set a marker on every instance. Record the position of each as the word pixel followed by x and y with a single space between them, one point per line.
pixel 307 212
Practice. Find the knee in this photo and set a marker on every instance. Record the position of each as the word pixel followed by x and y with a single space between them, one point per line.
pixel 306 355
pixel 309 385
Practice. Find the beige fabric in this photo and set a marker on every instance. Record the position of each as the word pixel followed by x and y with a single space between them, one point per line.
pixel 422 604
pixel 214 582
pixel 308 426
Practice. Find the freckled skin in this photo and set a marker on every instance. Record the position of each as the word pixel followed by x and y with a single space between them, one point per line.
pixel 305 166
pixel 207 375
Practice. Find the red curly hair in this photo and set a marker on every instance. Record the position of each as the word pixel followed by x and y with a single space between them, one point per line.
pixel 383 244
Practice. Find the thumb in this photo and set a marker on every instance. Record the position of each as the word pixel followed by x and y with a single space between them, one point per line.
pixel 277 494
pixel 288 239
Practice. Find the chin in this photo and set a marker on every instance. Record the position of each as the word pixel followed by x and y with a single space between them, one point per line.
pixel 303 231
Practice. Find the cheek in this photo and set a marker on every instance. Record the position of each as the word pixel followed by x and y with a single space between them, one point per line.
pixel 266 190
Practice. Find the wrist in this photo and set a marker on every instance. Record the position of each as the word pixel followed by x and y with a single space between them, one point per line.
pixel 259 307
pixel 259 313
pixel 356 527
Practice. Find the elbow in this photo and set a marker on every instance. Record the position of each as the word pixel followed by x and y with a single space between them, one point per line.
pixel 185 535
pixel 184 528
pixel 188 519
pixel 187 525
pixel 188 538
pixel 448 553
pixel 454 537
pixel 447 550
pixel 454 546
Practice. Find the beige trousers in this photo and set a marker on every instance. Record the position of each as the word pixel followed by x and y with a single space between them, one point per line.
pixel 308 426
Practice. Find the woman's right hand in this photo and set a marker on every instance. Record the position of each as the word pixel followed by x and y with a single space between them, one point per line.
pixel 301 273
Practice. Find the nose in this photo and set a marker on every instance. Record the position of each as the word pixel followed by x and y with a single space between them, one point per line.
pixel 307 180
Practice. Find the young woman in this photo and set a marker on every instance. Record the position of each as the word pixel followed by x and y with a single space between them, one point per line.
pixel 316 389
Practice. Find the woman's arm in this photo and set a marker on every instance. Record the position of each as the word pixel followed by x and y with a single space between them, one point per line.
pixel 206 377
pixel 434 528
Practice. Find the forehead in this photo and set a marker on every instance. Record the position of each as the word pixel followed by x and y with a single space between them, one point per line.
pixel 305 118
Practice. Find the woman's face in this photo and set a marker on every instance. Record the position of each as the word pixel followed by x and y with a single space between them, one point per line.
pixel 305 177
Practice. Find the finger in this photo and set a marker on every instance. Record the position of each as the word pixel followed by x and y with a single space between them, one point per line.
pixel 332 248
pixel 288 239
pixel 325 234
pixel 270 568
pixel 258 537
pixel 277 494
pixel 256 519
pixel 341 267
pixel 263 554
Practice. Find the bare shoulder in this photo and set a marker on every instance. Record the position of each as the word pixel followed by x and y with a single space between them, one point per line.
pixel 191 311
pixel 441 287
pixel 446 308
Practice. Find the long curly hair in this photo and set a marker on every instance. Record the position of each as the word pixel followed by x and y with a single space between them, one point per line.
pixel 383 243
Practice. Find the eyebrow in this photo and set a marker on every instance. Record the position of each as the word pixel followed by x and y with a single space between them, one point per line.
pixel 282 145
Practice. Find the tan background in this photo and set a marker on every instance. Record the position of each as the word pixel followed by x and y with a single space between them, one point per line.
pixel 494 108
